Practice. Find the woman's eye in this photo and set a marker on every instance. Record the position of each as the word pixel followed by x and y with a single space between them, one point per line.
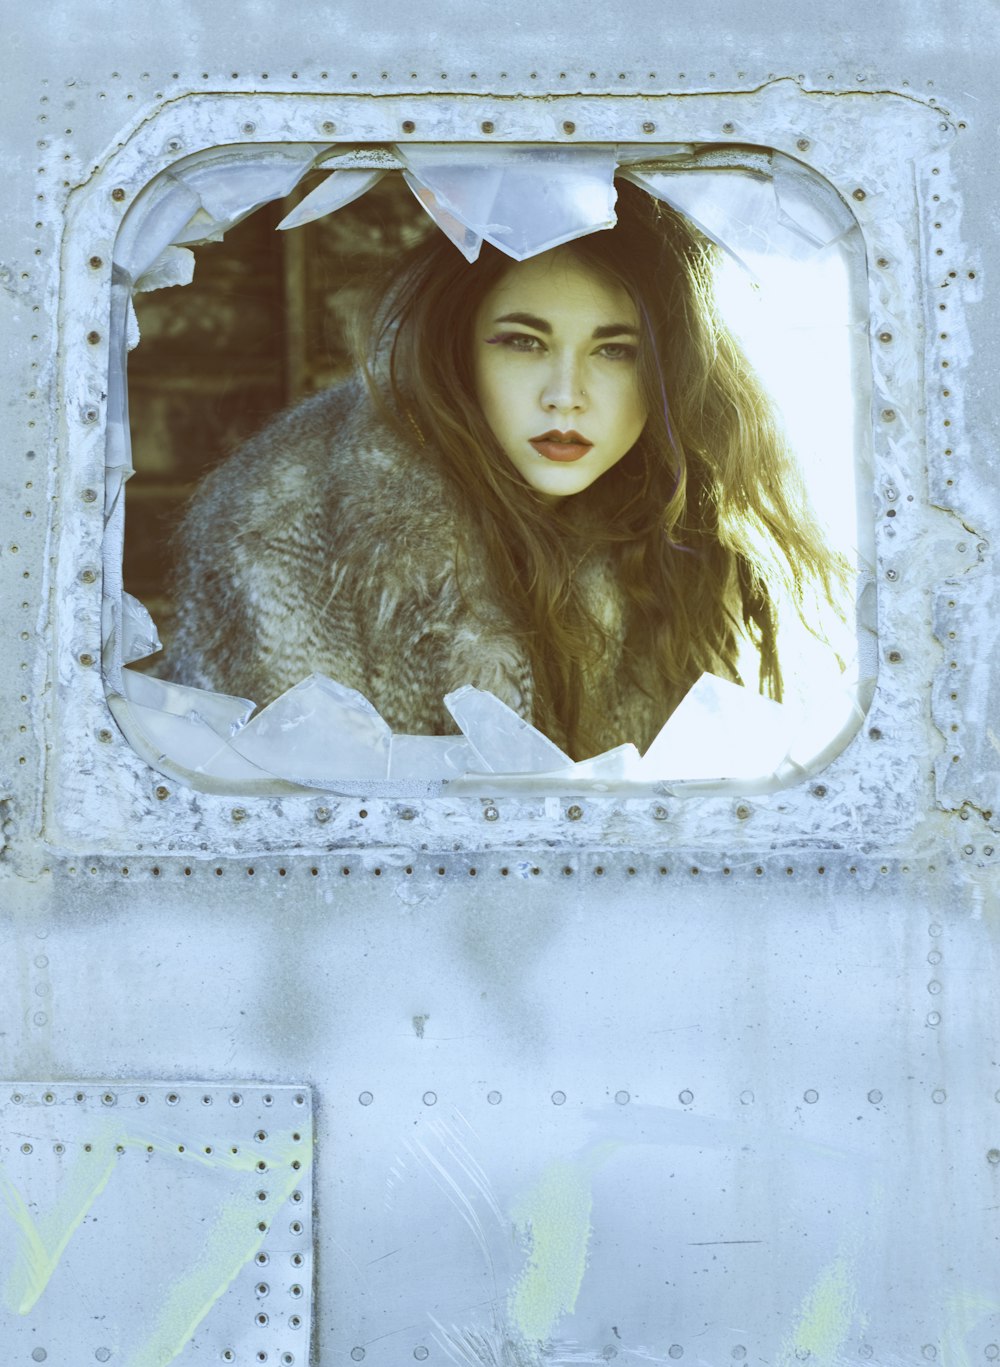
pixel 618 351
pixel 516 341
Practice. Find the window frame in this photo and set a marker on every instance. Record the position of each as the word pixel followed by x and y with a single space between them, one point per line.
pixel 102 794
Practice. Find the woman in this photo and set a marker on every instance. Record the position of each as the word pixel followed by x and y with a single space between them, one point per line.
pixel 561 482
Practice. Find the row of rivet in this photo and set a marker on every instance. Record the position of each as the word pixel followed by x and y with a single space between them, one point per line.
pixel 505 871
pixel 108 1098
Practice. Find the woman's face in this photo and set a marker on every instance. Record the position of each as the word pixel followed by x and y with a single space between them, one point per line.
pixel 555 371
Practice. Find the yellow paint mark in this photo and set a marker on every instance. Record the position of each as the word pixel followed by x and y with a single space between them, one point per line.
pixel 993 738
pixel 825 1317
pixel 554 1216
pixel 42 1243
pixel 228 1247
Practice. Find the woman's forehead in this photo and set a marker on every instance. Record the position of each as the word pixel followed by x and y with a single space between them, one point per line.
pixel 559 285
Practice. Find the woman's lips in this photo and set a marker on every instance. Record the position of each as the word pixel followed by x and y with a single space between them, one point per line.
pixel 561 446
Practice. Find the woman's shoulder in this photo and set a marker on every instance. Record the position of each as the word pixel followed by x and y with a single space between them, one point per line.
pixel 332 459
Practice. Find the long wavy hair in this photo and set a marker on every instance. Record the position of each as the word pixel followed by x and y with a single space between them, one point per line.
pixel 706 518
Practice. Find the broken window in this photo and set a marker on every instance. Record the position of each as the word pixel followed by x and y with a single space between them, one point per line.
pixel 268 323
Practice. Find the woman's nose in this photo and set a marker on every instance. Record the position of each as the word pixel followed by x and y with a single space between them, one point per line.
pixel 563 391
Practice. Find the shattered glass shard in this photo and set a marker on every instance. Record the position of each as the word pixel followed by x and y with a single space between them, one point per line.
pixel 623 764
pixel 221 713
pixel 316 733
pixel 720 730
pixel 139 637
pixel 789 215
pixel 523 200
pixel 339 189
pixel 502 742
pixel 467 242
pixel 430 757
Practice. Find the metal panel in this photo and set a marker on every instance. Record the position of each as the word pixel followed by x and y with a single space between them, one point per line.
pixel 771 1017
pixel 220 1179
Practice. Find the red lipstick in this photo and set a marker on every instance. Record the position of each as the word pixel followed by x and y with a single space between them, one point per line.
pixel 561 446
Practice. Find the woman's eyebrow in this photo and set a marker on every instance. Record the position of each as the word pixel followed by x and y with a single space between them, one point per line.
pixel 531 320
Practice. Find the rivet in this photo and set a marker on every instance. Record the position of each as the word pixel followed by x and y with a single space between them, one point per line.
pixel 89 495
pixel 88 576
pixel 993 1156
pixel 357 1354
pixel 875 1096
pixel 891 574
pixel 742 811
pixel 162 793
pixel 649 127
pixel 491 813
pixel 858 194
pixel 239 814
pixel 408 127
pixel 329 126
pixel 888 415
pixel 105 736
pixel 685 1097
pixel 622 1098
pixel 802 144
pixel 929 1351
pixel 883 262
pixel 249 128
pixel 430 1098
pixel 366 1098
pixel 93 338
pixel 728 127
pixel 569 126
pixel 487 125
pixel 939 1096
pixel 420 1352
pixel 894 657
pixel 746 1098
pixel 811 1096
pixel 558 1098
pixel 494 1098
pixel 574 813
pixel 885 336
pixel 95 263
pixel 675 1351
pixel 118 194
pixel 819 790
pixel 86 659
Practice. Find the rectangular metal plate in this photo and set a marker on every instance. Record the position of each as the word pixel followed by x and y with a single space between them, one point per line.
pixel 155 1222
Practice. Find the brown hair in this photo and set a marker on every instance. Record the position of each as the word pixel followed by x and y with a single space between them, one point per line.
pixel 706 517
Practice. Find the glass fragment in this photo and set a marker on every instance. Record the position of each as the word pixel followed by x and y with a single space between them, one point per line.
pixel 523 200
pixel 318 732
pixel 502 741
pixel 339 188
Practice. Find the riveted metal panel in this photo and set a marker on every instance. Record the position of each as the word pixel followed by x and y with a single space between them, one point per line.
pixel 202 1187
pixel 656 1076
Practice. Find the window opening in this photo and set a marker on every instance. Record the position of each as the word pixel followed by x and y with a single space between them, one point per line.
pixel 268 321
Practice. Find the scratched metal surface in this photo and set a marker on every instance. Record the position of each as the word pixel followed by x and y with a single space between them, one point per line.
pixel 780 1133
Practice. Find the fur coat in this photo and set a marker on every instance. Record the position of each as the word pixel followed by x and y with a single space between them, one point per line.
pixel 328 544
